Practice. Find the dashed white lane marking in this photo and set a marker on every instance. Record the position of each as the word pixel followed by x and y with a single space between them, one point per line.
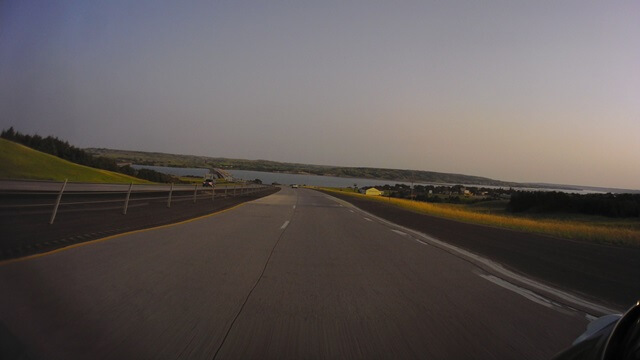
pixel 284 225
pixel 368 219
pixel 491 266
pixel 399 232
pixel 352 211
pixel 294 206
pixel 528 294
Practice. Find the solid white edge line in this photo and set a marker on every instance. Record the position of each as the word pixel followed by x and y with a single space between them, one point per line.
pixel 286 223
pixel 528 294
pixel 498 268
pixel 368 219
pixel 491 266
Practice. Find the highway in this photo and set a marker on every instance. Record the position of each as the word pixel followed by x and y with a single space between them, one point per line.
pixel 98 211
pixel 297 274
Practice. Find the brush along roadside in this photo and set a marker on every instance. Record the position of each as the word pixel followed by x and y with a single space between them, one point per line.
pixel 613 232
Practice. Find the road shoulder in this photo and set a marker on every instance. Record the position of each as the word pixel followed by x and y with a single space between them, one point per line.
pixel 601 273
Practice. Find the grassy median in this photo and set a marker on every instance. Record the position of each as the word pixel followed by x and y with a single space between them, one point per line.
pixel 579 227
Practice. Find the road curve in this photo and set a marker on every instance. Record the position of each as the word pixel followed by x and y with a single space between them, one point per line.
pixel 603 273
pixel 292 275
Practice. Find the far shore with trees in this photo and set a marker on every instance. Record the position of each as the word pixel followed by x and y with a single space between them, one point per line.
pixel 518 201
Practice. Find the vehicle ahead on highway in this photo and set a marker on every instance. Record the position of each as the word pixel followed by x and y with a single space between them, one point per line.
pixel 607 338
pixel 208 183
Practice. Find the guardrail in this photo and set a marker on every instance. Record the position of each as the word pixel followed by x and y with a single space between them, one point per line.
pixel 33 195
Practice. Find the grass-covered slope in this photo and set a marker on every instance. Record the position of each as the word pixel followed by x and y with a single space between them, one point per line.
pixel 579 227
pixel 20 162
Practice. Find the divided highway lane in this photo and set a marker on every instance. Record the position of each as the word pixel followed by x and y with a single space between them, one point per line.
pixel 292 275
pixel 342 285
pixel 165 293
pixel 26 230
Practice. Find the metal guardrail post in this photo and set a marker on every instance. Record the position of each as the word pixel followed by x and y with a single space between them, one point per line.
pixel 195 192
pixel 213 192
pixel 225 191
pixel 126 201
pixel 170 192
pixel 55 208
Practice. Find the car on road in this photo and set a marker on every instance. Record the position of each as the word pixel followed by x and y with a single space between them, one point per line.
pixel 295 186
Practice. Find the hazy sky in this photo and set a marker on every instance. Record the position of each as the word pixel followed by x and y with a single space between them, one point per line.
pixel 537 91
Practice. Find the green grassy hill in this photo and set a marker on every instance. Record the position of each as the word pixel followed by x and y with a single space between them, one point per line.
pixel 20 162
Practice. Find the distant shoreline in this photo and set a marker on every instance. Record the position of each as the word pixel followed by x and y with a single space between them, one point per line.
pixel 380 174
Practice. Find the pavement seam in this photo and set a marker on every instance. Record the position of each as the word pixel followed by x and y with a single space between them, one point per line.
pixel 255 285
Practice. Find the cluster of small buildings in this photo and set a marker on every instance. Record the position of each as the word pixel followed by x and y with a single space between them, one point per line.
pixel 428 191
pixel 371 192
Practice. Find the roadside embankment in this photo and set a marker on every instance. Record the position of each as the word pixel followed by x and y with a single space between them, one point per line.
pixel 603 272
pixel 603 230
pixel 21 162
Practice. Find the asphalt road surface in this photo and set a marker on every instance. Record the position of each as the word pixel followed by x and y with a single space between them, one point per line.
pixel 292 275
pixel 600 272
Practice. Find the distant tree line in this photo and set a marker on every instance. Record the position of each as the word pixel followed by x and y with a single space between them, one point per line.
pixel 443 193
pixel 62 149
pixel 611 205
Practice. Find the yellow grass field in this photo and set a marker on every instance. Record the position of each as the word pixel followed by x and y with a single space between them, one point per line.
pixel 612 232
